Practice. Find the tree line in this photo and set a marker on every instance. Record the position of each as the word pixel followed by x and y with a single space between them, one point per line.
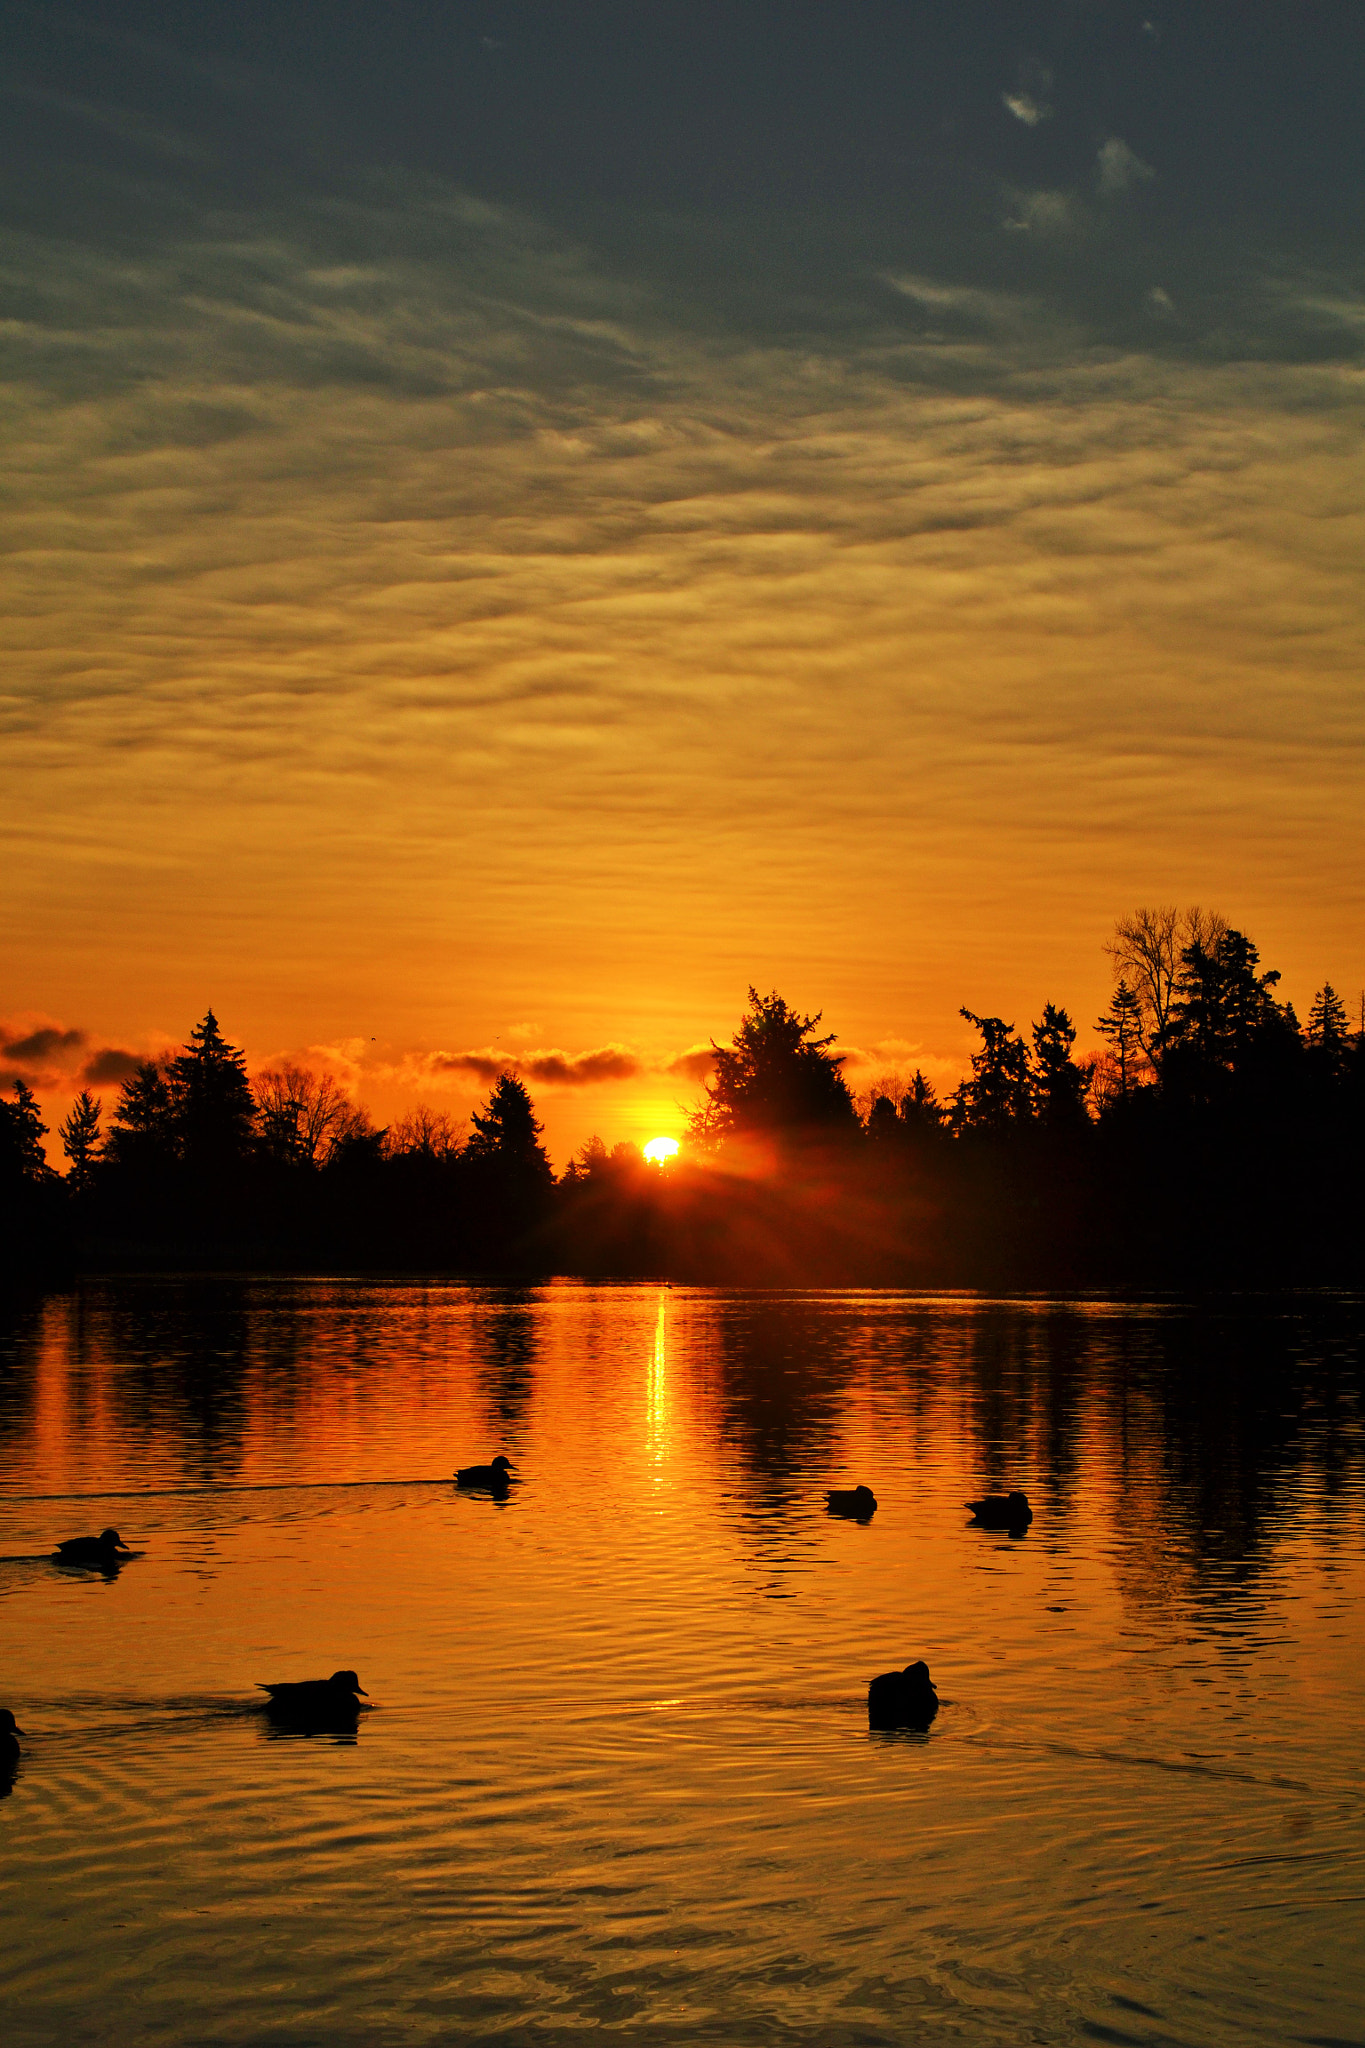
pixel 1214 1140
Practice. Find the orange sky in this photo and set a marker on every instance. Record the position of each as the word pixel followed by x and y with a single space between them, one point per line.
pixel 431 632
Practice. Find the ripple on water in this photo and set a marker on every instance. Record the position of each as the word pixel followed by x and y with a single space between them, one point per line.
pixel 619 1773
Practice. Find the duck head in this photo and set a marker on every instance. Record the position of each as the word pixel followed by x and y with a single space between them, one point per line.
pixel 111 1540
pixel 8 1724
pixel 501 1464
pixel 346 1681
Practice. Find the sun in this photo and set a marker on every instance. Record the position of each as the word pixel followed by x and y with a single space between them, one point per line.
pixel 660 1150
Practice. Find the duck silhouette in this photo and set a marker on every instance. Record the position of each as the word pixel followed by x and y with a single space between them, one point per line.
pixel 1002 1511
pixel 106 1552
pixel 308 1704
pixel 902 1699
pixel 491 1478
pixel 858 1501
pixel 10 1731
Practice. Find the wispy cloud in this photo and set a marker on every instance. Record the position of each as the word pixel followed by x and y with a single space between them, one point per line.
pixel 544 641
pixel 1118 168
pixel 1030 102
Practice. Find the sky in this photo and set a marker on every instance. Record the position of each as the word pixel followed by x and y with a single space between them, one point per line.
pixel 522 520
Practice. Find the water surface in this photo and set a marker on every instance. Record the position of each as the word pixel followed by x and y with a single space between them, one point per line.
pixel 618 1774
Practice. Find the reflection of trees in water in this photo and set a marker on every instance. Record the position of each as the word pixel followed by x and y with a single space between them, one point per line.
pixel 1197 1434
pixel 784 1367
pixel 181 1353
pixel 1251 1419
pixel 509 1333
pixel 22 1323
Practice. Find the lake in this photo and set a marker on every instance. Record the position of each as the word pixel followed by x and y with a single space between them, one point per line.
pixel 618 1774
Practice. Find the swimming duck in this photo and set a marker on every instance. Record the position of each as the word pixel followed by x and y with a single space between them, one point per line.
pixel 853 1500
pixel 902 1699
pixel 106 1549
pixel 492 1477
pixel 316 1702
pixel 1002 1510
pixel 10 1731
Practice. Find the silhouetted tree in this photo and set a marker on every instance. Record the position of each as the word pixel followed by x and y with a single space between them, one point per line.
pixel 1329 1035
pixel 776 1079
pixel 425 1133
pixel 507 1133
pixel 1146 949
pixel 302 1116
pixel 884 1124
pixel 22 1130
pixel 215 1114
pixel 1224 1011
pixel 1121 1024
pixel 1000 1091
pixel 80 1136
pixel 143 1132
pixel 1060 1084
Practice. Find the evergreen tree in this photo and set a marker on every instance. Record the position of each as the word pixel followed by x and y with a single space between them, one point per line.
pixel 143 1132
pixel 1329 1035
pixel 507 1131
pixel 1225 1009
pixel 999 1094
pixel 215 1112
pixel 775 1079
pixel 80 1135
pixel 1060 1085
pixel 883 1121
pixel 920 1109
pixel 1122 1025
pixel 22 1130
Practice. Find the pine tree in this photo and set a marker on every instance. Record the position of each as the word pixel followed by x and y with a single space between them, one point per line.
pixel 80 1135
pixel 143 1132
pixel 920 1109
pixel 215 1112
pixel 1000 1091
pixel 1329 1034
pixel 1122 1025
pixel 775 1079
pixel 507 1131
pixel 22 1131
pixel 1060 1085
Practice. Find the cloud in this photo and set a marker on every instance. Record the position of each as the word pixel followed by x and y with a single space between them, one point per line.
pixel 1029 102
pixel 58 1058
pixel 552 1067
pixel 696 1064
pixel 111 1064
pixel 578 1070
pixel 1118 168
pixel 38 1048
pixel 396 557
pixel 1026 109
pixel 1047 214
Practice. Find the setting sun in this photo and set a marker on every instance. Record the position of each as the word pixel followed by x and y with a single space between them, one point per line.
pixel 660 1150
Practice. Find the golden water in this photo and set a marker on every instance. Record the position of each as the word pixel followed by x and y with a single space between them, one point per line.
pixel 618 1774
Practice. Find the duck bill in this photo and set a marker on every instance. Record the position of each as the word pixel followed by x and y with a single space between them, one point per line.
pixel 363 1694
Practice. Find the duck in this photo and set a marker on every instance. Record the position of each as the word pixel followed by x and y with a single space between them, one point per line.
pixel 853 1500
pixel 10 1731
pixel 1002 1510
pixel 316 1702
pixel 105 1550
pixel 902 1699
pixel 493 1477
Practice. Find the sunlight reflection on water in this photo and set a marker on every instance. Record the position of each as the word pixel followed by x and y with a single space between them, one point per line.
pixel 618 1771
